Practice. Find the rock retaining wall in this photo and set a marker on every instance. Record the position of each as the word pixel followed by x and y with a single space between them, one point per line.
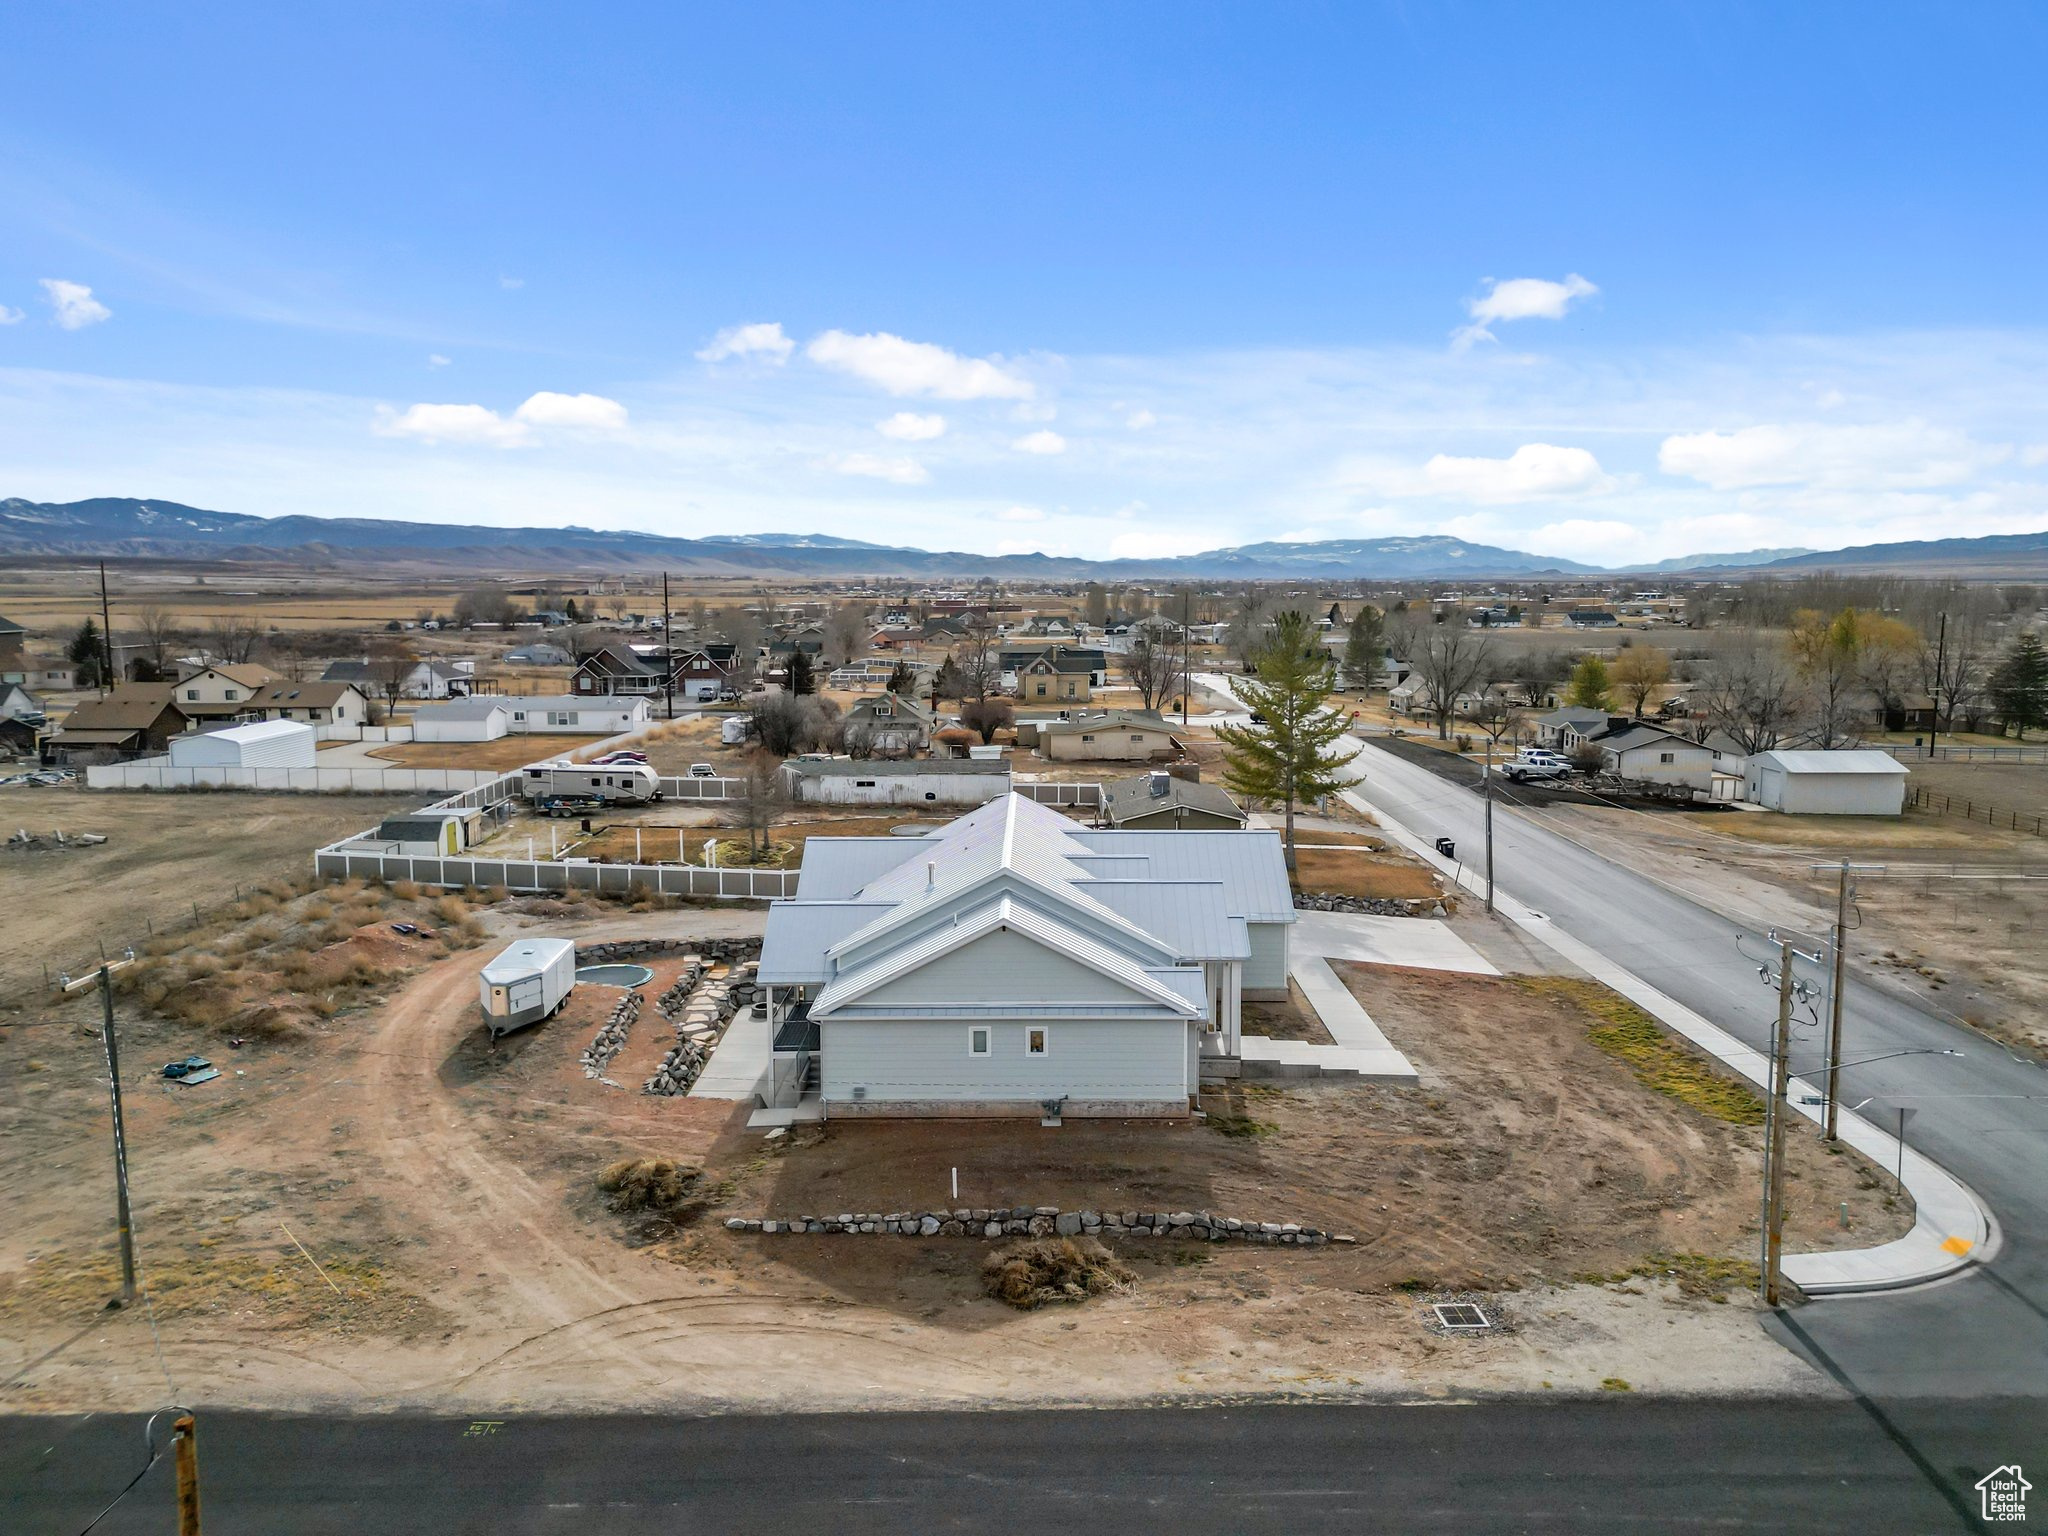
pixel 711 950
pixel 699 1007
pixel 1377 906
pixel 611 1036
pixel 1050 1221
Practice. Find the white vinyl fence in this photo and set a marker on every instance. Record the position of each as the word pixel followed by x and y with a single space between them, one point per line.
pixel 343 863
pixel 157 773
pixel 341 730
pixel 1048 792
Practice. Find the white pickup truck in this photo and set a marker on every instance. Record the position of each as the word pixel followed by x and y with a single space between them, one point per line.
pixel 1537 765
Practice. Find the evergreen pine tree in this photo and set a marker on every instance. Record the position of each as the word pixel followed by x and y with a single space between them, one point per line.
pixel 1293 756
pixel 803 677
pixel 2019 686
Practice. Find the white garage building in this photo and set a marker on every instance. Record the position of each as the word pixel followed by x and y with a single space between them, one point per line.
pixel 260 744
pixel 1840 783
pixel 474 719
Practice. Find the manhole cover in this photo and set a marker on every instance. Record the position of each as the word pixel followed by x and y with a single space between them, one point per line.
pixel 1461 1314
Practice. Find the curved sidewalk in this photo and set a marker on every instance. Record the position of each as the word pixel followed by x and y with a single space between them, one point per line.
pixel 1951 1227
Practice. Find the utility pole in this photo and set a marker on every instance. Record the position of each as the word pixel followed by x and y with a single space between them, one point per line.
pixel 1776 1111
pixel 1486 775
pixel 106 634
pixel 1940 678
pixel 126 1223
pixel 185 1444
pixel 1186 681
pixel 668 649
pixel 1845 873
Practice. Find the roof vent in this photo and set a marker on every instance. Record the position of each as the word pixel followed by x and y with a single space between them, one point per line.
pixel 931 875
pixel 1161 783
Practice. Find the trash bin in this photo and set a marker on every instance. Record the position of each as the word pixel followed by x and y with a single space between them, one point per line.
pixel 1447 848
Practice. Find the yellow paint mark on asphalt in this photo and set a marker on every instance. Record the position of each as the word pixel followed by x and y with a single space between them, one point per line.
pixel 1957 1246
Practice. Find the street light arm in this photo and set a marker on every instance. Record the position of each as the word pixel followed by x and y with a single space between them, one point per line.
pixel 1925 1050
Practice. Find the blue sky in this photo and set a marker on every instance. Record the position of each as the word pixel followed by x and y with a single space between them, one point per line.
pixel 1611 282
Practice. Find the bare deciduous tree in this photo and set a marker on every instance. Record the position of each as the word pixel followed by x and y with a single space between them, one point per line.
pixel 1747 693
pixel 762 801
pixel 1451 659
pixel 1153 669
pixel 234 639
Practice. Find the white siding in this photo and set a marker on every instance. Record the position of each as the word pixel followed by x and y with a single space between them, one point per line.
pixel 1265 973
pixel 1003 964
pixel 911 789
pixel 927 1061
pixel 1692 766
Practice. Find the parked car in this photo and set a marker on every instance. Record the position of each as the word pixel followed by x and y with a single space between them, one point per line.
pixel 1537 765
pixel 619 757
pixel 703 771
pixel 728 695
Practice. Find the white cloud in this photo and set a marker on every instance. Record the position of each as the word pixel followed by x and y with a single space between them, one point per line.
pixel 1892 456
pixel 902 471
pixel 1138 421
pixel 509 283
pixel 452 424
pixel 916 367
pixel 1040 442
pixel 1021 515
pixel 436 360
pixel 764 340
pixel 1520 298
pixel 1532 471
pixel 73 304
pixel 588 413
pixel 11 316
pixel 909 427
pixel 1591 540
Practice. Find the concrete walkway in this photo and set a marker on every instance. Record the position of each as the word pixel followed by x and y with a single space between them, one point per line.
pixel 1425 943
pixel 739 1060
pixel 1950 1228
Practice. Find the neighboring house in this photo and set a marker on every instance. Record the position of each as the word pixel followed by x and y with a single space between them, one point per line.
pixel 422 680
pixel 934 781
pixel 1592 618
pixel 20 737
pixel 259 744
pixel 1838 783
pixel 221 691
pixel 1915 712
pixel 474 719
pixel 1410 697
pixel 1015 963
pixel 1164 802
pixel 1053 674
pixel 1647 754
pixel 1125 735
pixel 312 703
pixel 708 668
pixel 616 668
pixel 13 645
pixel 17 703
pixel 895 727
pixel 1567 729
pixel 136 718
pixel 47 674
pixel 538 714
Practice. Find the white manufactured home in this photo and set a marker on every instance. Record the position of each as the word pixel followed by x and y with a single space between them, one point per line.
pixel 947 781
pixel 525 983
pixel 1014 962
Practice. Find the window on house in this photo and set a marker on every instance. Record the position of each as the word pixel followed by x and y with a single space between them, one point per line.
pixel 1035 1040
pixel 1087 738
pixel 863 783
pixel 1137 736
pixel 978 1040
pixel 1667 757
pixel 229 694
pixel 191 693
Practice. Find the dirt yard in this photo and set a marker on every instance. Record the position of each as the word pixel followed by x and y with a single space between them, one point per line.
pixel 448 1188
pixel 505 752
pixel 1954 920
pixel 1358 872
pixel 163 853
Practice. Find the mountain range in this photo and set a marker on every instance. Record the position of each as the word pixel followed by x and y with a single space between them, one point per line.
pixel 119 527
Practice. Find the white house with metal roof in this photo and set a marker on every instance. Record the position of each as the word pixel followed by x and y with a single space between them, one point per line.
pixel 1015 962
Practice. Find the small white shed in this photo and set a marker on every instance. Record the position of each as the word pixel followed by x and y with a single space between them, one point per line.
pixel 472 719
pixel 260 744
pixel 1838 783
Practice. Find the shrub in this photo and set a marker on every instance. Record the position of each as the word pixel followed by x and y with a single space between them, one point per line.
pixel 1028 1275
pixel 406 890
pixel 658 1184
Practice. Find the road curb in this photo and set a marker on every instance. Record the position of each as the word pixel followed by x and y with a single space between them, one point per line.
pixel 1952 1228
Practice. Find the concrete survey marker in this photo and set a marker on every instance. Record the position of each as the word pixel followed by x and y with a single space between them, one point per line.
pixel 616 975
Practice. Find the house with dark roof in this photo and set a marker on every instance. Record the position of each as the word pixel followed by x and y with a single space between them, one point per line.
pixel 892 726
pixel 422 680
pixel 1649 754
pixel 1162 801
pixel 1057 675
pixel 13 640
pixel 311 703
pixel 221 691
pixel 133 720
pixel 1120 735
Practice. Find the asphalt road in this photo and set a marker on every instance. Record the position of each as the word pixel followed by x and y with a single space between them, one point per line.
pixel 1984 1117
pixel 1576 1467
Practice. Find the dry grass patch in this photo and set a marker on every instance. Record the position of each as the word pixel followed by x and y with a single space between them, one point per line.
pixel 658 1186
pixel 1343 872
pixel 1658 1060
pixel 1029 1275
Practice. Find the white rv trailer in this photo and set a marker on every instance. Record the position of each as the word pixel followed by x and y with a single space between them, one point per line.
pixel 526 983
pixel 614 783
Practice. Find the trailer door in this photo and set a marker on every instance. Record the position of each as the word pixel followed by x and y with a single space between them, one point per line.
pixel 525 993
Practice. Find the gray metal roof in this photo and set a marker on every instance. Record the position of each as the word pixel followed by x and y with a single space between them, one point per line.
pixel 835 868
pixel 460 709
pixel 1127 798
pixel 1844 761
pixel 1248 863
pixel 1191 915
pixel 799 933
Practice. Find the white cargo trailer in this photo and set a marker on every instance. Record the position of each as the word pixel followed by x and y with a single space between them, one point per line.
pixel 526 983
pixel 614 783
